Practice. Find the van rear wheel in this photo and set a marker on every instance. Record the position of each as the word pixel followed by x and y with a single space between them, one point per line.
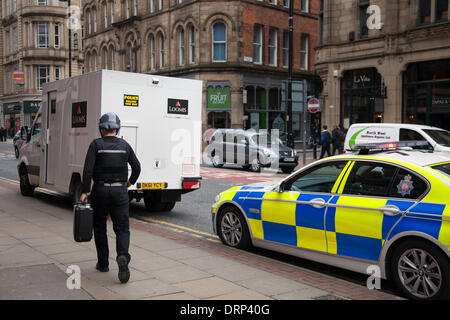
pixel 157 206
pixel 26 188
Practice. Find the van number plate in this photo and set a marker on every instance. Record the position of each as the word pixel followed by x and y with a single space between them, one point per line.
pixel 153 185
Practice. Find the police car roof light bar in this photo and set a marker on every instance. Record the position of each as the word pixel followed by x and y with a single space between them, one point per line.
pixel 365 148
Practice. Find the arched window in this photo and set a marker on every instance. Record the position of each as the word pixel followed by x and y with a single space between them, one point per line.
pixel 111 57
pixel 87 62
pixel 191 31
pixel 89 22
pixel 105 14
pixel 94 65
pixel 152 52
pixel 105 58
pixel 180 46
pixel 94 16
pixel 219 38
pixel 161 49
pixel 111 12
pixel 130 58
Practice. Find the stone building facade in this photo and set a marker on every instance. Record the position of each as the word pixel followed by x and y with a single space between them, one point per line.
pixel 398 71
pixel 237 48
pixel 33 50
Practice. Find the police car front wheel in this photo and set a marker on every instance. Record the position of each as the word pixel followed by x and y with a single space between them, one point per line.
pixel 232 228
pixel 421 271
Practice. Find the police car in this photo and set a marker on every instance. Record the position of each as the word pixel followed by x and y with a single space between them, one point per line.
pixel 389 208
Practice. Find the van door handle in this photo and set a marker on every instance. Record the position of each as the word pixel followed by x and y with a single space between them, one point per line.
pixel 390 210
pixel 317 203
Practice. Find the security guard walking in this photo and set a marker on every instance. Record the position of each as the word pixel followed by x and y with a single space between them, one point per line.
pixel 106 164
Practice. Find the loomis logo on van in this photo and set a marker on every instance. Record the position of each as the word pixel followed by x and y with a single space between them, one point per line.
pixel 178 106
pixel 79 114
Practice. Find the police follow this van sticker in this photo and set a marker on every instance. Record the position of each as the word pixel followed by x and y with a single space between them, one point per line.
pixel 130 100
pixel 178 106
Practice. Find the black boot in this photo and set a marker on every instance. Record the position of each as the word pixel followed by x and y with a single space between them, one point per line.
pixel 124 272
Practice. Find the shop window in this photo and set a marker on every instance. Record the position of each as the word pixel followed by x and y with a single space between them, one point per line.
pixel 250 98
pixel 442 10
pixel 274 99
pixel 261 98
pixel 219 119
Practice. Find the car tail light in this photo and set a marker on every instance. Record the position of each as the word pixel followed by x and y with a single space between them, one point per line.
pixel 344 151
pixel 194 184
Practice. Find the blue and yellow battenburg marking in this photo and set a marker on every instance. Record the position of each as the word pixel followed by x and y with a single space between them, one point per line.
pixel 345 230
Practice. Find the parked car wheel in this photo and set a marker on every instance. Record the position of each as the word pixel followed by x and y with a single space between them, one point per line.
pixel 421 271
pixel 233 230
pixel 255 165
pixel 16 152
pixel 26 188
pixel 217 160
pixel 288 170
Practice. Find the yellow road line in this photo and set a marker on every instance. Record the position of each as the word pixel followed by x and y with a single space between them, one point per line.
pixel 197 233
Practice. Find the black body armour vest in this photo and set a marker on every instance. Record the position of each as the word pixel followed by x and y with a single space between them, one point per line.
pixel 111 162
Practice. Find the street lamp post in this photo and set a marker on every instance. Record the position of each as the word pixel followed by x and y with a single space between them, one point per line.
pixel 290 137
pixel 70 35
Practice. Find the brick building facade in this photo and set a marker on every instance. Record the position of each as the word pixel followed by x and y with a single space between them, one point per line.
pixel 237 48
pixel 399 72
pixel 33 50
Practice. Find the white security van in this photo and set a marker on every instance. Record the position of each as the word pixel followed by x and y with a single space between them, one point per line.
pixel 160 119
pixel 368 133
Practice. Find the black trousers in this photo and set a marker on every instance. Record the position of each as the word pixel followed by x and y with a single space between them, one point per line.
pixel 115 201
pixel 325 149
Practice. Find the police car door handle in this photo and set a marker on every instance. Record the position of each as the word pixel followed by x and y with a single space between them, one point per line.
pixel 390 210
pixel 317 203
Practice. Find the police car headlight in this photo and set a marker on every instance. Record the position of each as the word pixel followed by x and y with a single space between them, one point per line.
pixel 217 198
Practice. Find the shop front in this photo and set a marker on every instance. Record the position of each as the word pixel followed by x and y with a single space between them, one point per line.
pixel 30 109
pixel 362 97
pixel 426 93
pixel 11 114
pixel 218 108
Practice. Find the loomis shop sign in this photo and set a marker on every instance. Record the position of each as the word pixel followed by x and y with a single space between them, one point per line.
pixel 219 98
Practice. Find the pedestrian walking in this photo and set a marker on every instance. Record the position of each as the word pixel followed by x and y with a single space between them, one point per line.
pixel 106 164
pixel 338 138
pixel 325 142
pixel 2 134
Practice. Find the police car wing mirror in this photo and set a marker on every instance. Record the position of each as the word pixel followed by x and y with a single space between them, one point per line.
pixel 280 187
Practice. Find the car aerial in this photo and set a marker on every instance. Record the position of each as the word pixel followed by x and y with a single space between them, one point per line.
pixel 389 208
pixel 17 143
pixel 250 149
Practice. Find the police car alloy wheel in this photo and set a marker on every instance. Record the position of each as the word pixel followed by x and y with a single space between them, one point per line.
pixel 421 271
pixel 232 228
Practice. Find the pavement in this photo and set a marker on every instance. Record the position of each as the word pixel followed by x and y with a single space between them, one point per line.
pixel 37 249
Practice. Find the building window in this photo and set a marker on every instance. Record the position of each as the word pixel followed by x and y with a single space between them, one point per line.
pixel 424 11
pixel 363 16
pixel 127 9
pixel 105 58
pixel 42 35
pixel 285 48
pixel 8 42
pixel 89 22
pixel 305 5
pixel 257 44
pixel 94 61
pixel 161 50
pixel 14 5
pixel 105 15
pixel 181 47
pixel 219 42
pixel 191 44
pixel 111 52
pixel 7 8
pixel 273 1
pixel 304 53
pixel 160 6
pixel 111 8
pixel 42 2
pixel 42 76
pixel 273 43
pixel 442 7
pixel 57 73
pixel 15 39
pixel 321 8
pixel 94 13
pixel 152 5
pixel 152 52
pixel 57 36
pixel 135 7
pixel 75 40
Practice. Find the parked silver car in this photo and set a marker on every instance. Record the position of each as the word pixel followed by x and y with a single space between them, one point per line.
pixel 17 143
pixel 250 149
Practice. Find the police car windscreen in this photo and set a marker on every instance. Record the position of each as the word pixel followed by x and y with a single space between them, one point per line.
pixel 441 137
pixel 443 168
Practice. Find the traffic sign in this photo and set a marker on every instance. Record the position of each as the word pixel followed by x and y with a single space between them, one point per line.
pixel 313 105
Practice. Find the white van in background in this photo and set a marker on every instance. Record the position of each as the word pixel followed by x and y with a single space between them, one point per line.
pixel 366 133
